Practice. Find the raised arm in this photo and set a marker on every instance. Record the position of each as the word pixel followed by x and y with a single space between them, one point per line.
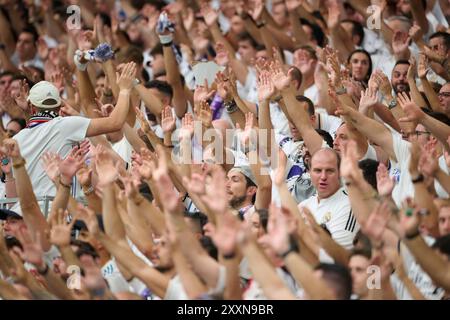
pixel 117 118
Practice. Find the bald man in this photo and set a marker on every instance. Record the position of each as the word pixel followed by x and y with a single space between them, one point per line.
pixel 330 205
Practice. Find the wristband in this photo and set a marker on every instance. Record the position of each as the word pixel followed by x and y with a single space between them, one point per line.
pixel 68 186
pixel 166 39
pixel 89 190
pixel 420 178
pixel 43 272
pixel 229 256
pixel 82 66
pixel 414 235
pixel 19 164
pixel 293 247
pixel 340 91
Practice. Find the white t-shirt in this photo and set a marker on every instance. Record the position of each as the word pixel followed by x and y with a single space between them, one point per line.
pixel 175 290
pixel 114 277
pixel 58 135
pixel 328 123
pixel 336 213
pixel 123 148
pixel 312 93
pixel 400 169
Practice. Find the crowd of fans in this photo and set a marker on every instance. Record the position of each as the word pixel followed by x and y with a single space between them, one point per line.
pixel 223 149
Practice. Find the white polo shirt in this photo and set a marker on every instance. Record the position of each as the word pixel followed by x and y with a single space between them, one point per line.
pixel 336 213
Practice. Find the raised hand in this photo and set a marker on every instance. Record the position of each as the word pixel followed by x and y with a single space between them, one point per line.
pixel 277 230
pixel 71 164
pixel 11 149
pixel 257 10
pixel 409 218
pixel 187 127
pixel 196 183
pixel 205 114
pixel 248 135
pixel 265 86
pixel 349 165
pixel 411 110
pixel 105 166
pixel 90 219
pixel 22 95
pixel 385 183
pixel 292 5
pixel 215 196
pixel 224 236
pixel 128 74
pixel 61 230
pixel 145 126
pixel 368 100
pixel 384 84
pixel 32 251
pixel 203 93
pixel 223 86
pixel 428 163
pixel 209 14
pixel 411 75
pixel 84 176
pixel 50 162
pixel 400 42
pixel 377 221
pixel 415 33
pixel 279 78
pixel 167 119
pixel 423 67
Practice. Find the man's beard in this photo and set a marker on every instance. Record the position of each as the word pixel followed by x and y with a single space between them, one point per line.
pixel 236 202
pixel 405 88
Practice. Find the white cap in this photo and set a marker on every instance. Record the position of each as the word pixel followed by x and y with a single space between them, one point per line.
pixel 44 90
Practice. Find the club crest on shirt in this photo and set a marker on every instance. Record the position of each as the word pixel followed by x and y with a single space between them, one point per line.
pixel 326 217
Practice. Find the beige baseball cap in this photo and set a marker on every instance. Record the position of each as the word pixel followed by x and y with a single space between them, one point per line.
pixel 44 95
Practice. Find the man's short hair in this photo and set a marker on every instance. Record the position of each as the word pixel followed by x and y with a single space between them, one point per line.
pixel 361 252
pixel 317 32
pixel 6 73
pixel 311 110
pixel 326 137
pixel 443 35
pixel 338 278
pixel 401 61
pixel 369 168
pixel 20 121
pixel 131 54
pixel 245 36
pixel 296 74
pixel 438 116
pixel 30 29
pixel 443 245
pixel 162 86
pixel 357 29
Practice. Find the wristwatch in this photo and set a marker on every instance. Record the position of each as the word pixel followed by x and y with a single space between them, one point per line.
pixel 230 106
pixel 392 104
pixel 341 90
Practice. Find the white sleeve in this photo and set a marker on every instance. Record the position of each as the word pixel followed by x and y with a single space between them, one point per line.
pixel 221 282
pixel 74 128
pixel 370 154
pixel 329 123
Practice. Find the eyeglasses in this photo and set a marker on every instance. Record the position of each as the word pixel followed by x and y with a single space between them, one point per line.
pixel 416 133
pixel 444 94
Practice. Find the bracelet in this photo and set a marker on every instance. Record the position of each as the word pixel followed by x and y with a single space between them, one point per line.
pixel 261 24
pixel 413 235
pixel 68 186
pixel 229 256
pixel 166 39
pixel 89 190
pixel 231 106
pixel 420 178
pixel 9 180
pixel 19 164
pixel 293 247
pixel 340 91
pixel 43 272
